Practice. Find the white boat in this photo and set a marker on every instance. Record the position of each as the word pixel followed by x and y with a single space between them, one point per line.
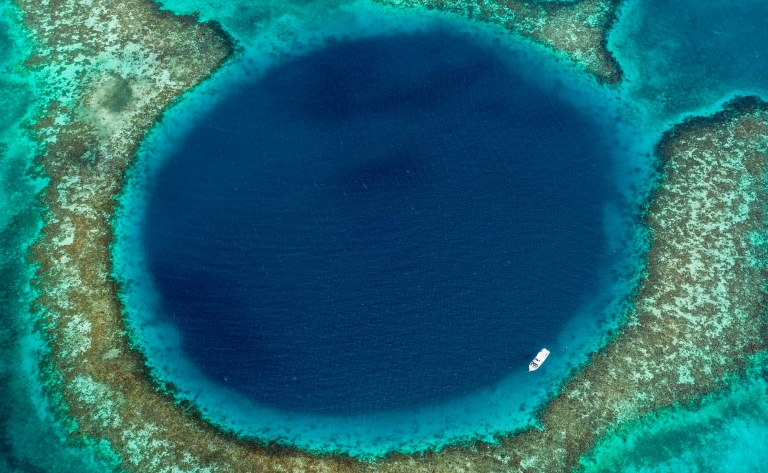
pixel 540 357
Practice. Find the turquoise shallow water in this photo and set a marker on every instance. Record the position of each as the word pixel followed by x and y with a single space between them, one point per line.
pixel 680 58
pixel 726 433
pixel 30 440
pixel 690 56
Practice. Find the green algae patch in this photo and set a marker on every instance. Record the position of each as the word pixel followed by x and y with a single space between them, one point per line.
pixel 107 70
pixel 577 30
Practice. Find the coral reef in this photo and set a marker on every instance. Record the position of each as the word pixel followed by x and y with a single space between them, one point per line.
pixel 576 30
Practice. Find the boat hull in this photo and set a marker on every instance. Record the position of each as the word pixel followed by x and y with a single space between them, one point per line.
pixel 540 358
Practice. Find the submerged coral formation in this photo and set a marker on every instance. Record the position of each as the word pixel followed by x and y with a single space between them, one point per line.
pixel 577 30
pixel 108 70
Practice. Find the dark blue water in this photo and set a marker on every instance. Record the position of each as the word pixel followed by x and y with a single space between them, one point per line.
pixel 387 223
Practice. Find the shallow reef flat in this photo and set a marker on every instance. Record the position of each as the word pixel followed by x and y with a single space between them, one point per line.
pixel 577 30
pixel 107 70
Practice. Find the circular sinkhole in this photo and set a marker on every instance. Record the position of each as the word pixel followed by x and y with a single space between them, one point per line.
pixel 387 223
